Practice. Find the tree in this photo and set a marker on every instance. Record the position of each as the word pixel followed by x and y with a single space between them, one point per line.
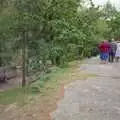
pixel 54 30
pixel 109 11
pixel 114 27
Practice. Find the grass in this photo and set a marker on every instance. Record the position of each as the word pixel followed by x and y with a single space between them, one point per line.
pixel 13 95
pixel 47 85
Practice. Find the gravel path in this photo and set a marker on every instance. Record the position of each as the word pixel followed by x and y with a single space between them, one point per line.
pixel 96 98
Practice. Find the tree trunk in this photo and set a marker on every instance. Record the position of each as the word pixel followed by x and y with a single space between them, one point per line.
pixel 0 61
pixel 27 60
pixel 24 60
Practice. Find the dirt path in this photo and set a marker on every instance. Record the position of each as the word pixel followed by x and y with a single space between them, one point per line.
pixel 96 98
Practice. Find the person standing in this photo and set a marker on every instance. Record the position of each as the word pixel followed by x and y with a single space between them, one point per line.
pixel 104 49
pixel 117 55
pixel 113 49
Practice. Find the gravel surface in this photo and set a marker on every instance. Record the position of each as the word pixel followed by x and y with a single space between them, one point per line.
pixel 96 98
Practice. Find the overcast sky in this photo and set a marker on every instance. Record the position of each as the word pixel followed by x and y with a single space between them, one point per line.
pixel 114 2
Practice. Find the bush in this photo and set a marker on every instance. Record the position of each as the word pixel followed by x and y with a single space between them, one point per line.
pixel 57 56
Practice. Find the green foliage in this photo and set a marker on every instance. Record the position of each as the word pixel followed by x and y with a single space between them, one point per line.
pixel 52 30
pixel 40 83
pixel 57 55
pixel 109 11
pixel 114 27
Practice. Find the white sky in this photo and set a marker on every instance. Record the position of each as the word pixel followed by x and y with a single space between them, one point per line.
pixel 116 3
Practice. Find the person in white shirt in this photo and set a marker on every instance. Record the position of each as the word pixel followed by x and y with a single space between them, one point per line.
pixel 117 55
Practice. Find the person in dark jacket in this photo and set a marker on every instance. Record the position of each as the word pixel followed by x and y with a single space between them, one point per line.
pixel 112 52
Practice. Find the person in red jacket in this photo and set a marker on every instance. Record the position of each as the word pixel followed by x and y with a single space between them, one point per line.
pixel 104 49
